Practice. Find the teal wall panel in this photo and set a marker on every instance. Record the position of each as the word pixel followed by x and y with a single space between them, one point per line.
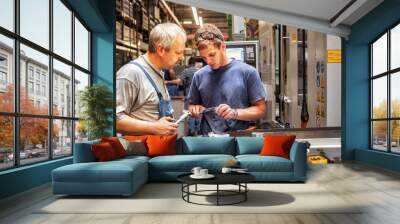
pixel 380 159
pixel 24 178
pixel 99 16
pixel 103 53
pixel 89 11
pixel 356 85
pixel 356 100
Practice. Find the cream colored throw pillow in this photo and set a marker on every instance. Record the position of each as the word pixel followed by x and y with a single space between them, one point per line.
pixel 134 147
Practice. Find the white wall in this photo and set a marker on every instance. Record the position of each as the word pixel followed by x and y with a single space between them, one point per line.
pixel 238 24
pixel 333 85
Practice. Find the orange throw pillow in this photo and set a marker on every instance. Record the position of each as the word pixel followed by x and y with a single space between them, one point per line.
pixel 159 145
pixel 116 145
pixel 135 137
pixel 103 152
pixel 277 145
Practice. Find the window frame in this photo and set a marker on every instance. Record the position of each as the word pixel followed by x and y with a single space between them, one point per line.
pixel 388 74
pixel 16 114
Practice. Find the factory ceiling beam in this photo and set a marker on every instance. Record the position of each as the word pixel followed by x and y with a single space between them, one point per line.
pixel 268 14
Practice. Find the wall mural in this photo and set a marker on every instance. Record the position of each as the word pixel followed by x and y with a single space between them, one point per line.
pixel 320 83
pixel 295 66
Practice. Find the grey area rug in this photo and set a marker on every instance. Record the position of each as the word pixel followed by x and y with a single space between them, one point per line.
pixel 166 198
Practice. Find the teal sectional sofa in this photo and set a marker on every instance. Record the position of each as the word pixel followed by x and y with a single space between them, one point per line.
pixel 125 176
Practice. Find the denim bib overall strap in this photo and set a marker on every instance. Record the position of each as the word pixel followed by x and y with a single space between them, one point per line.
pixel 164 106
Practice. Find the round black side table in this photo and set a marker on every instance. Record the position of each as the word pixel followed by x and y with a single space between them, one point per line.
pixel 238 179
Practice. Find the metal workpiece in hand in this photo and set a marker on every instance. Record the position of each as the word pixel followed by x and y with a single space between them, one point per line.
pixel 209 109
pixel 185 114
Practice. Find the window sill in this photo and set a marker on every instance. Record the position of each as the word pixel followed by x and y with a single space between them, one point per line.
pixel 26 167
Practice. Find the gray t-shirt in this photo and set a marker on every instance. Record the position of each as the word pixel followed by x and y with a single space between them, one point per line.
pixel 236 84
pixel 187 77
pixel 136 97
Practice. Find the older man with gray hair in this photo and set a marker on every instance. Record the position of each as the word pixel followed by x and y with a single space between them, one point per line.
pixel 143 104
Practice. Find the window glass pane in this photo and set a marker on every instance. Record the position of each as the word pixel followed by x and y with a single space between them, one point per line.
pixel 379 55
pixel 395 95
pixel 379 135
pixel 6 142
pixel 395 138
pixel 62 138
pixel 395 47
pixel 81 45
pixel 6 74
pixel 379 97
pixel 81 81
pixel 36 102
pixel 62 89
pixel 33 139
pixel 81 131
pixel 62 29
pixel 35 21
pixel 7 14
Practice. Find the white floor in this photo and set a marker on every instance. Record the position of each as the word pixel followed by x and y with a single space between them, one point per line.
pixel 377 189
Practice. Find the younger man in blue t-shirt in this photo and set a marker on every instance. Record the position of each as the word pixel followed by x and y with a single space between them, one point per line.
pixel 231 88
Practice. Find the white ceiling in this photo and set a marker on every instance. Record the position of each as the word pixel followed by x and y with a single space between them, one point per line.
pixel 321 9
pixel 313 15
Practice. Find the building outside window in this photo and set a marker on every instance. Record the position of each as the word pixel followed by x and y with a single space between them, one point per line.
pixel 30 87
pixel 38 89
pixel 33 74
pixel 43 90
pixel 385 93
pixel 3 78
pixel 43 78
pixel 3 81
pixel 55 97
pixel 37 75
pixel 3 61
pixel 30 72
pixel 3 72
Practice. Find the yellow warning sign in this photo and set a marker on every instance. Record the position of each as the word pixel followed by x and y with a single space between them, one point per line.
pixel 293 38
pixel 334 56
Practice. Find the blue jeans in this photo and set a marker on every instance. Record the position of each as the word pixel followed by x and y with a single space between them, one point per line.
pixel 173 90
pixel 194 124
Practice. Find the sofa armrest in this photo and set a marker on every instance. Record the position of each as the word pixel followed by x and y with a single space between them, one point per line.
pixel 83 152
pixel 298 155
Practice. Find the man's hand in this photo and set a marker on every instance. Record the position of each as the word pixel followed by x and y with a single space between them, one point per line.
pixel 177 82
pixel 196 110
pixel 225 111
pixel 165 126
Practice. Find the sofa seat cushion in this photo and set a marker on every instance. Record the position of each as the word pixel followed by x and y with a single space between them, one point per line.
pixel 185 163
pixel 133 157
pixel 113 171
pixel 257 163
pixel 133 162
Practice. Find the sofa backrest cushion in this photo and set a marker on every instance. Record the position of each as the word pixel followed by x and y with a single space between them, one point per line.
pixel 83 153
pixel 249 145
pixel 207 145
